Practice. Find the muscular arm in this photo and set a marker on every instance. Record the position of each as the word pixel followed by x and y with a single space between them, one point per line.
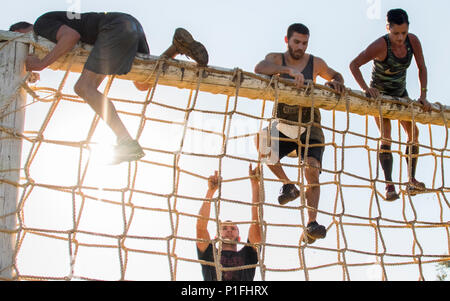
pixel 254 234
pixel 374 51
pixel 66 38
pixel 205 211
pixel 336 80
pixel 423 71
pixel 272 65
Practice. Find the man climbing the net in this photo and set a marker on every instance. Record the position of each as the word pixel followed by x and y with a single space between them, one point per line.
pixel 229 233
pixel 117 38
pixel 299 66
pixel 392 55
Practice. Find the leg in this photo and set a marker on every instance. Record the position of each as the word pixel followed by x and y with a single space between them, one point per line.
pixel 312 174
pixel 278 171
pixel 313 231
pixel 87 88
pixel 289 192
pixel 171 52
pixel 386 159
pixel 412 155
pixel 412 150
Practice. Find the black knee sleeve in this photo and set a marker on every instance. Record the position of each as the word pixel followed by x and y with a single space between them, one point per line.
pixel 387 162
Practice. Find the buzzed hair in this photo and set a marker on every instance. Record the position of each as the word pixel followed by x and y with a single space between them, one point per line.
pixel 226 223
pixel 298 28
pixel 397 17
pixel 19 26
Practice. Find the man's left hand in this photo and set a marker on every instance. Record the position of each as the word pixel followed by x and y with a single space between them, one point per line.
pixel 339 87
pixel 425 103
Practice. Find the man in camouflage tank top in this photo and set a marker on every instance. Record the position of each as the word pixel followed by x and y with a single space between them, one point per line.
pixel 299 66
pixel 392 55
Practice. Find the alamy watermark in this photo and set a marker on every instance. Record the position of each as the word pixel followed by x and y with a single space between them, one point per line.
pixel 205 135
pixel 74 9
pixel 374 9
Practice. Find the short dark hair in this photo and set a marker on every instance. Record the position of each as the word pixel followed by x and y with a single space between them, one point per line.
pixel 228 222
pixel 19 26
pixel 397 17
pixel 298 28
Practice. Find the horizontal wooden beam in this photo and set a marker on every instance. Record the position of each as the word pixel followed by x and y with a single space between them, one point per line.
pixel 185 75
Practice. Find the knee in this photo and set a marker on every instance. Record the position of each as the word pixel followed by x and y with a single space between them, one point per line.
pixel 413 135
pixel 312 176
pixel 83 88
pixel 80 89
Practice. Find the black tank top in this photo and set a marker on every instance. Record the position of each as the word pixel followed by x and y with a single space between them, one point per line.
pixel 291 112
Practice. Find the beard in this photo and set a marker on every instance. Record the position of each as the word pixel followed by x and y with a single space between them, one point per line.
pixel 296 55
pixel 232 239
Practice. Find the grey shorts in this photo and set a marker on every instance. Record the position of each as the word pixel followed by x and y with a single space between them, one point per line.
pixel 120 37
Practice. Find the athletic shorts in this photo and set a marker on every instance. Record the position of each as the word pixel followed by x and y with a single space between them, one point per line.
pixel 120 38
pixel 283 148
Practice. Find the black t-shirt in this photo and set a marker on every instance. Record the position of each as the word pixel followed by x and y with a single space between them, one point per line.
pixel 87 25
pixel 246 256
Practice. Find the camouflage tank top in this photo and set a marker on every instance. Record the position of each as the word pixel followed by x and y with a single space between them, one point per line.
pixel 291 113
pixel 389 76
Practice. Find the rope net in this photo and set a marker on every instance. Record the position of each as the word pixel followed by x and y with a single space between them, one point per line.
pixel 79 218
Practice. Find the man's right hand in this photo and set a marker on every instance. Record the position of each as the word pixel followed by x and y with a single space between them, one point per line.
pixel 373 93
pixel 299 78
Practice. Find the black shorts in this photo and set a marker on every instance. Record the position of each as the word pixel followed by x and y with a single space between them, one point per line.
pixel 284 148
pixel 120 38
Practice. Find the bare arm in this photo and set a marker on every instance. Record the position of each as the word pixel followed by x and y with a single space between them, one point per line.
pixel 205 211
pixel 66 38
pixel 374 51
pixel 423 71
pixel 334 78
pixel 272 65
pixel 254 234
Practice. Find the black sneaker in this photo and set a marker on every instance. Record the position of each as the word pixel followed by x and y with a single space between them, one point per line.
pixel 313 232
pixel 288 194
pixel 128 152
pixel 185 44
